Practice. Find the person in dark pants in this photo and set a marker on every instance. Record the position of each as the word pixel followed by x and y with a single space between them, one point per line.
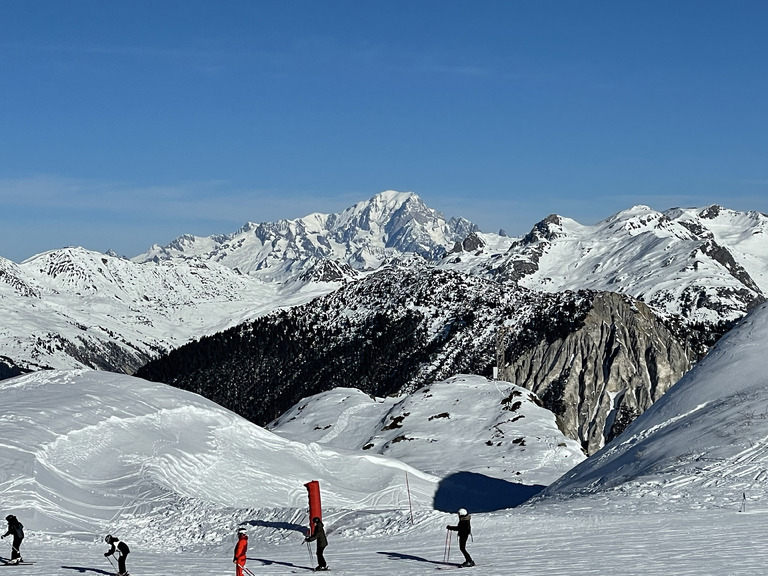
pixel 122 549
pixel 16 530
pixel 464 529
pixel 318 533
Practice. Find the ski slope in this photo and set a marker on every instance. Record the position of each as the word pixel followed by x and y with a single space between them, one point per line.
pixel 683 491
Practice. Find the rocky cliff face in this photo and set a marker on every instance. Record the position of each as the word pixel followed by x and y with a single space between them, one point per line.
pixel 598 366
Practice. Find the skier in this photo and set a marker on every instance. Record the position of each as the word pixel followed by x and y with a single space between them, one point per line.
pixel 240 549
pixel 318 533
pixel 464 529
pixel 16 530
pixel 123 550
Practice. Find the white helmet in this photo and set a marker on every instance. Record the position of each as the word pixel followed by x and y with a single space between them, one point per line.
pixel 462 512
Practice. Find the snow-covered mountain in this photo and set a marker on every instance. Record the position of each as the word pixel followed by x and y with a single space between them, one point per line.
pixel 705 265
pixel 73 308
pixel 705 440
pixel 595 359
pixel 362 237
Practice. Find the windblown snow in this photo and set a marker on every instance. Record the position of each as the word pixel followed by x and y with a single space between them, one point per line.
pixel 84 453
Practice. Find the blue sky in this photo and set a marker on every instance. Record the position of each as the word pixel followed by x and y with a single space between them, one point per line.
pixel 125 124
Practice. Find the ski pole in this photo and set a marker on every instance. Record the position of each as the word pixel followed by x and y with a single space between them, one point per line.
pixel 112 563
pixel 309 549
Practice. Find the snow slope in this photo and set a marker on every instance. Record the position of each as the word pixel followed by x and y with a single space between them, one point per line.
pixel 463 424
pixel 83 453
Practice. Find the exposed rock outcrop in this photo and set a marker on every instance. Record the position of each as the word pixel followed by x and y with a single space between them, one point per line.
pixel 612 360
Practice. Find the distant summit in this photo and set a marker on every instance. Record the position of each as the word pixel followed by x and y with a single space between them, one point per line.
pixel 361 237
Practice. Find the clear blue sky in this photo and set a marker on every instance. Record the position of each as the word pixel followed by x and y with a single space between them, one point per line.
pixel 128 123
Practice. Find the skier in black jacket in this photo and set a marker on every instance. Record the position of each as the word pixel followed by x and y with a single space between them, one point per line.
pixel 318 533
pixel 464 529
pixel 122 548
pixel 16 530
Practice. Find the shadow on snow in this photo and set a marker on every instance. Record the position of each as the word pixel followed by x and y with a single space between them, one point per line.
pixel 265 562
pixel 479 493
pixel 84 570
pixel 277 525
pixel 399 556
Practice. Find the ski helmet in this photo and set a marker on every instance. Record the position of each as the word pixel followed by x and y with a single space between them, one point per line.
pixel 316 519
pixel 462 512
pixel 108 538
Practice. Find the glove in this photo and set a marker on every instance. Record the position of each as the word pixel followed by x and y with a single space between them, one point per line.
pixel 106 554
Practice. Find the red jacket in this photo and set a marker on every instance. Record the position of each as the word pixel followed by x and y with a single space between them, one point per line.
pixel 241 548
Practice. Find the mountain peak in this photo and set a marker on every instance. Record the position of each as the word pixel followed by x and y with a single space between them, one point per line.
pixel 362 237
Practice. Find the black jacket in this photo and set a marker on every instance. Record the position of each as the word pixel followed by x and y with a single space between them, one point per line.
pixel 319 535
pixel 464 528
pixel 15 529
pixel 122 547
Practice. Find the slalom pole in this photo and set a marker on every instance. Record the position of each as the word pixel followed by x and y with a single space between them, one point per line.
pixel 408 488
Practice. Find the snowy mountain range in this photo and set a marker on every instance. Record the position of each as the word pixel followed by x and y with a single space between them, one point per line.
pixel 703 265
pixel 444 292
pixel 72 307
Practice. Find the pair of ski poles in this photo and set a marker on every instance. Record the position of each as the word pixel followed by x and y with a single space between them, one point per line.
pixel 447 549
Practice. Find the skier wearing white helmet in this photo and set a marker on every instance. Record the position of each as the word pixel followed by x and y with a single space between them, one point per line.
pixel 464 529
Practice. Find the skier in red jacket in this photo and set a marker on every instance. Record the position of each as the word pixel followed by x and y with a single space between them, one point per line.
pixel 240 549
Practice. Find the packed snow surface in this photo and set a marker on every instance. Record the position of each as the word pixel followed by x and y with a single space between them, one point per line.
pixel 683 491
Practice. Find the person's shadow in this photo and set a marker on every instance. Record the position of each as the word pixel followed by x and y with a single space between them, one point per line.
pixel 84 570
pixel 266 562
pixel 399 556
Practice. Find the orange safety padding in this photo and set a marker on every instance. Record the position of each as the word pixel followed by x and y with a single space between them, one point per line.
pixel 315 508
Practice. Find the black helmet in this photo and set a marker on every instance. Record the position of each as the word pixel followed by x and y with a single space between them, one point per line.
pixel 108 538
pixel 316 519
pixel 10 517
